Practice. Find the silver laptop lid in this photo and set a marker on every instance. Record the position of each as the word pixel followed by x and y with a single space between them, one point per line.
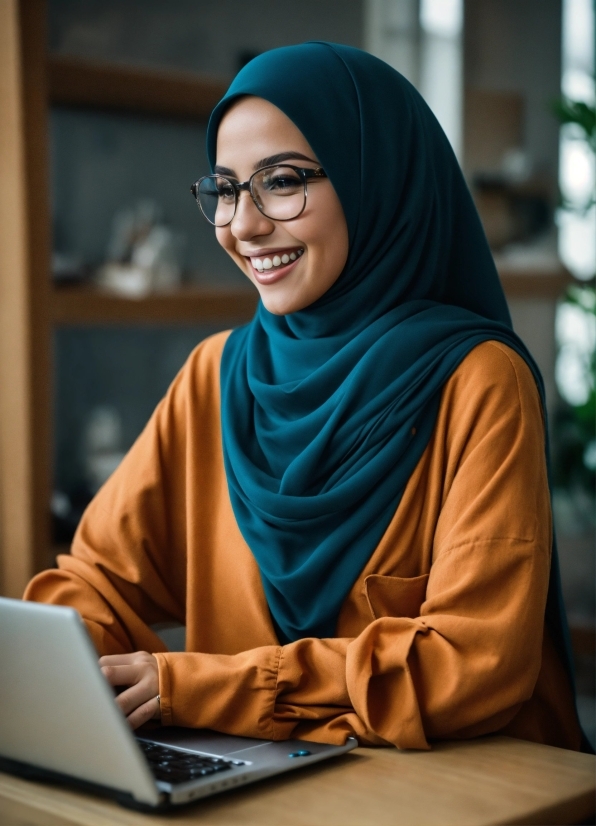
pixel 56 710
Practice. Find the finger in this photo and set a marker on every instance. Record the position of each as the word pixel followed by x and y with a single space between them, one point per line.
pixel 122 674
pixel 135 696
pixel 122 659
pixel 143 713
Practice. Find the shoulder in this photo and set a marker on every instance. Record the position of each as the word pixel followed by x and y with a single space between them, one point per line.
pixel 493 369
pixel 206 356
pixel 492 390
pixel 494 361
pixel 201 369
pixel 196 389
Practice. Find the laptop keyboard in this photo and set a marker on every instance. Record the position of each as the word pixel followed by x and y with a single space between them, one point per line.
pixel 174 766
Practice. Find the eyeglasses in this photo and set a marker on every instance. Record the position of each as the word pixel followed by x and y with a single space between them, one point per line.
pixel 279 192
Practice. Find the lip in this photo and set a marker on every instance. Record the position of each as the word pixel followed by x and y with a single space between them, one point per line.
pixel 270 251
pixel 274 275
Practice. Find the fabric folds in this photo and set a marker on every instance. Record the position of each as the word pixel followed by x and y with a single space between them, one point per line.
pixel 327 411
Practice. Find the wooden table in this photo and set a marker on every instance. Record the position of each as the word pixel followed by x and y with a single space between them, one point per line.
pixel 494 780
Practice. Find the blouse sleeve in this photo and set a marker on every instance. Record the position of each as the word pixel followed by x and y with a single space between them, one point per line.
pixel 467 662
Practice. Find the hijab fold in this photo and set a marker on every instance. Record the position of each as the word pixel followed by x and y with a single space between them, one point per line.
pixel 327 411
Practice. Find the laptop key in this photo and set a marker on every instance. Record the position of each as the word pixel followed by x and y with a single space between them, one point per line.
pixel 174 766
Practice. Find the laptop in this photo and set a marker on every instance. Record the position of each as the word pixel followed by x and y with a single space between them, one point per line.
pixel 59 722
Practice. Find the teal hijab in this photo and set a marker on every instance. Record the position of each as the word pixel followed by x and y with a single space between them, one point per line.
pixel 326 412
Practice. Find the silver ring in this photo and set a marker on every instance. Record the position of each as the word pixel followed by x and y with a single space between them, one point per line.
pixel 158 698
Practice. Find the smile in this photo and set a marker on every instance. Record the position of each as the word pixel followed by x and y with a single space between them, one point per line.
pixel 271 262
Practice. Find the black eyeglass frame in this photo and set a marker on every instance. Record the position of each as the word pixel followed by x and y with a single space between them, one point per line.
pixel 305 173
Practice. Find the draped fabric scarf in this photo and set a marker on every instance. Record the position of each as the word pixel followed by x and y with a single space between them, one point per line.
pixel 325 412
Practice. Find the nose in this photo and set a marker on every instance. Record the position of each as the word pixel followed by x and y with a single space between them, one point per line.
pixel 248 220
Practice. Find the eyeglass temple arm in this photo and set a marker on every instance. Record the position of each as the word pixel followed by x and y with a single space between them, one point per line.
pixel 319 172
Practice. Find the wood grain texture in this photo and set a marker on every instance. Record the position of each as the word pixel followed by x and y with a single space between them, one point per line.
pixel 77 82
pixel 76 306
pixel 24 294
pixel 87 306
pixel 478 783
pixel 522 284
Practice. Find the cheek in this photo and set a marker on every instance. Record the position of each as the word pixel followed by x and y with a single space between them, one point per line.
pixel 333 240
pixel 224 238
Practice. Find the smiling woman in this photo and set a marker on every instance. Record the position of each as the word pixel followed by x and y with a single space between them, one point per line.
pixel 346 501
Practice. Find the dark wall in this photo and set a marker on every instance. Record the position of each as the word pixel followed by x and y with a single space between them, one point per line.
pixel 198 35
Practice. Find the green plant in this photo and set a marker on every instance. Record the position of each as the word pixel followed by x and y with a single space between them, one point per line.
pixel 583 117
pixel 574 428
pixel 580 113
pixel 574 451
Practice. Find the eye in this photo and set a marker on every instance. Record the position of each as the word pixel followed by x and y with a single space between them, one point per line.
pixel 282 183
pixel 225 191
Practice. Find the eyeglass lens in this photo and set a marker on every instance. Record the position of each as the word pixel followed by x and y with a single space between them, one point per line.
pixel 279 192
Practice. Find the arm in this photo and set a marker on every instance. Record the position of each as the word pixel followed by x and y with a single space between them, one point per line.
pixel 461 665
pixel 126 570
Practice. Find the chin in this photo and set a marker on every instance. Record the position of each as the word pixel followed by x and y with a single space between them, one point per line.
pixel 285 297
pixel 289 299
pixel 279 306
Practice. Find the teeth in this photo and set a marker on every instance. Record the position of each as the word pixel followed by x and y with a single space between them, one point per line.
pixel 275 261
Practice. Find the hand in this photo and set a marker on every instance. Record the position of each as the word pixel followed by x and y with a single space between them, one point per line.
pixel 139 671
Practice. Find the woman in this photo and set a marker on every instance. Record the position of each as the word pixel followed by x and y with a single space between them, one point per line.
pixel 346 501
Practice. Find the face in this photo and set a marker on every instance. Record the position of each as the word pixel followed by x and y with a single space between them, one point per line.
pixel 314 245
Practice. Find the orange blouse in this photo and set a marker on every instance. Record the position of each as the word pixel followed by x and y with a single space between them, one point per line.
pixel 441 636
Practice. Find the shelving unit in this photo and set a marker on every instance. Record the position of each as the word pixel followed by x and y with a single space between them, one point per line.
pixel 30 307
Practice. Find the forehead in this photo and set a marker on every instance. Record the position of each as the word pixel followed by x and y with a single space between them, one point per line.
pixel 252 129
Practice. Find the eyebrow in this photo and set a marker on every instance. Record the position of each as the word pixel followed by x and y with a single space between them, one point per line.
pixel 270 161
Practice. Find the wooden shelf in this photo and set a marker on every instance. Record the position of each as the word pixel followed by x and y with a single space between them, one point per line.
pixel 75 306
pixel 76 82
pixel 534 284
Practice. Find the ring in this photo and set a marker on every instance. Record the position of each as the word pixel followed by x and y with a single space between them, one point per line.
pixel 158 698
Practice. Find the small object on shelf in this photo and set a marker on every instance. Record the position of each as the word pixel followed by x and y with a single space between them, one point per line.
pixel 511 212
pixel 102 446
pixel 67 510
pixel 102 452
pixel 513 201
pixel 144 255
pixel 125 280
pixel 68 268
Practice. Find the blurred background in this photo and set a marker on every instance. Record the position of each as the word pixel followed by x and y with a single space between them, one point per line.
pixel 109 276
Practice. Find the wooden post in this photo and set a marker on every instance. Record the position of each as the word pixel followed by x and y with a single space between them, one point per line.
pixel 25 425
